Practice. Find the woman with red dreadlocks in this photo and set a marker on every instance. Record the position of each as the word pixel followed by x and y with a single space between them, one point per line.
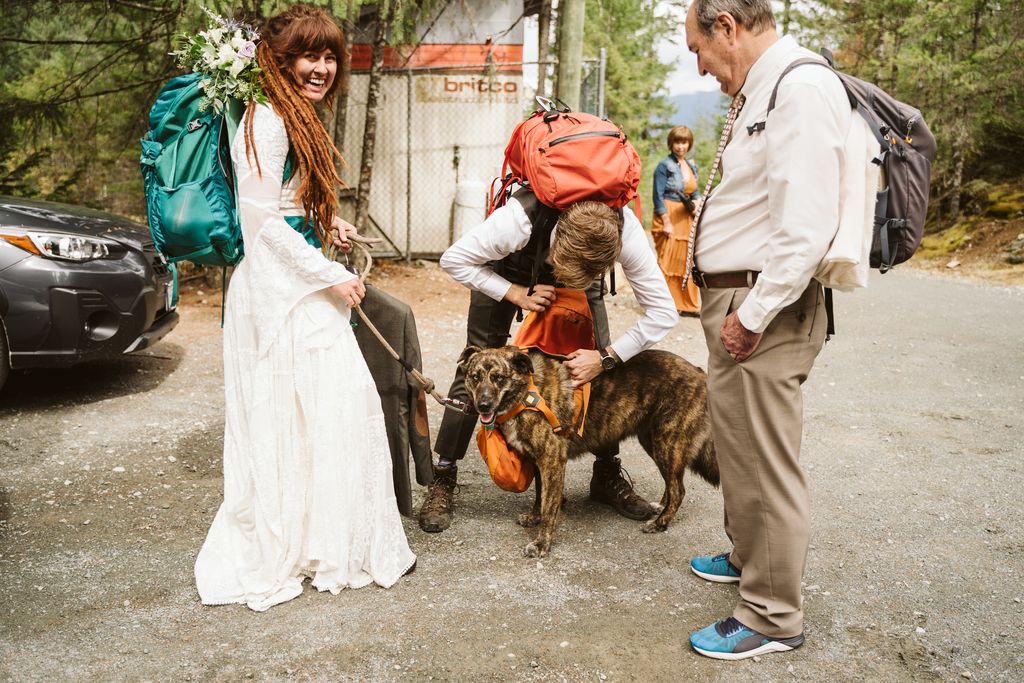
pixel 308 490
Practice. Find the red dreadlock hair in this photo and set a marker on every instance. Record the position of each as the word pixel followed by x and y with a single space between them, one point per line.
pixel 286 36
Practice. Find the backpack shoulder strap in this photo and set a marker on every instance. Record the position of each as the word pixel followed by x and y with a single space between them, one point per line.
pixel 543 218
pixel 759 126
pixel 797 63
pixel 855 102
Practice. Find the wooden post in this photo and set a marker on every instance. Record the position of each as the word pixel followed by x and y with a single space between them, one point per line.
pixel 570 51
pixel 543 46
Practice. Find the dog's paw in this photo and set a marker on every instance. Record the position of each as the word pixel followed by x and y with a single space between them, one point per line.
pixel 528 519
pixel 653 527
pixel 534 550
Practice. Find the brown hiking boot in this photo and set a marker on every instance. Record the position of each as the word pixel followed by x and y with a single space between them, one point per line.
pixel 609 486
pixel 436 512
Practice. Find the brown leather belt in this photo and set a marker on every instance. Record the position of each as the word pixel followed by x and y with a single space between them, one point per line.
pixel 732 280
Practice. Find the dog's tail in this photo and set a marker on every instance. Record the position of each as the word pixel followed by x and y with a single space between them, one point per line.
pixel 706 462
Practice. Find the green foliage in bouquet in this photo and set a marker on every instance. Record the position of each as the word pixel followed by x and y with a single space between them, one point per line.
pixel 225 54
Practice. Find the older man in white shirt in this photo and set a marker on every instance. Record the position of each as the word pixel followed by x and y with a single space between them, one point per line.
pixel 512 261
pixel 764 231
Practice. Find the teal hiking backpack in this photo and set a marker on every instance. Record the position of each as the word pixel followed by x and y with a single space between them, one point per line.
pixel 189 178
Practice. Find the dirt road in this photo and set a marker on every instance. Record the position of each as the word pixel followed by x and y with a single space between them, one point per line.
pixel 110 475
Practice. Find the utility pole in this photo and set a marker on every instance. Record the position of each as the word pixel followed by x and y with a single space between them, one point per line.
pixel 570 51
pixel 543 47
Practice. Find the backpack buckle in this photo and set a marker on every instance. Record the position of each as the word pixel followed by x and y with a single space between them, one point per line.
pixel 194 125
pixel 545 103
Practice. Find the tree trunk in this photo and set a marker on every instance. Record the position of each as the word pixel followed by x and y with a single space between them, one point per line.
pixel 543 46
pixel 787 7
pixel 894 72
pixel 370 127
pixel 959 152
pixel 571 14
pixel 348 24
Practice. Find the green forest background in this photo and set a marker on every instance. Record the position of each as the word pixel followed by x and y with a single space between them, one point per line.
pixel 77 78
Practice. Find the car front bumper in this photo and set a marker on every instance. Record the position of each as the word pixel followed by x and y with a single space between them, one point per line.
pixel 60 314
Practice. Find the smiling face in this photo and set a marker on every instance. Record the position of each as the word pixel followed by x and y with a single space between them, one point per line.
pixel 314 73
pixel 680 148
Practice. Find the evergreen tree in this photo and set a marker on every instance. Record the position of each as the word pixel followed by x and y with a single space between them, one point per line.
pixel 635 93
pixel 958 61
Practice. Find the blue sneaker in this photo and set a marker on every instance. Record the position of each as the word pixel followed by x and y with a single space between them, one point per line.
pixel 729 639
pixel 717 568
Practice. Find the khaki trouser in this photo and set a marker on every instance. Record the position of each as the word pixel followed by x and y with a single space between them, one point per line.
pixel 757 420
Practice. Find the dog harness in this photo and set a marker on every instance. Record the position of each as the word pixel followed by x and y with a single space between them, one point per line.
pixel 535 402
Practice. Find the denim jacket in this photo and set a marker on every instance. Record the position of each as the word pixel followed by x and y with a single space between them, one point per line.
pixel 669 183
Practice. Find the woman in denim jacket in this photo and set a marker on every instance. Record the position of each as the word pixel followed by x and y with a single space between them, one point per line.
pixel 675 194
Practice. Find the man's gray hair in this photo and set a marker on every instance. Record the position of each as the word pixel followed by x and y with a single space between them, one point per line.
pixel 754 15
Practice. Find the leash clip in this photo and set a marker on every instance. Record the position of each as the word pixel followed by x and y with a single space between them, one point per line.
pixel 456 404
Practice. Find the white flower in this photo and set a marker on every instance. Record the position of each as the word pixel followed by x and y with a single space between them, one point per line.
pixel 225 56
pixel 237 66
pixel 222 53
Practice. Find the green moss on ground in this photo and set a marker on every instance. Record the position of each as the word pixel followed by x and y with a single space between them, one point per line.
pixel 948 240
pixel 1005 201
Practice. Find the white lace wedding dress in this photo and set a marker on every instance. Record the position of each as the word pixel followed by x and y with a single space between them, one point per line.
pixel 307 471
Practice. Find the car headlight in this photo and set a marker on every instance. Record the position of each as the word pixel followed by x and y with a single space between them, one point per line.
pixel 65 247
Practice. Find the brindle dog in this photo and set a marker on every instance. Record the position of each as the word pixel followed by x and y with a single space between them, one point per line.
pixel 656 396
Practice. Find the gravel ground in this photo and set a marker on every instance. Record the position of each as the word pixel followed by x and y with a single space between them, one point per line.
pixel 110 475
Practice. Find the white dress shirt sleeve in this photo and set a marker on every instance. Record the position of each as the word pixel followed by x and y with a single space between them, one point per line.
pixel 640 266
pixel 505 231
pixel 805 137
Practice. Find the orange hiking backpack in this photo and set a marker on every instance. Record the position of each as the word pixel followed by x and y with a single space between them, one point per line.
pixel 565 157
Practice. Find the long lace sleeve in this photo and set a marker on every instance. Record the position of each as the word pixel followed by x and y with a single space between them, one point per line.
pixel 280 266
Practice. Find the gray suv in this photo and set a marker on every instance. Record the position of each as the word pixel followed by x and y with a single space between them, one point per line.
pixel 78 285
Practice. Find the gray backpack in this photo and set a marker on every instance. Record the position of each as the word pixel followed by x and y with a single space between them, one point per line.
pixel 906 152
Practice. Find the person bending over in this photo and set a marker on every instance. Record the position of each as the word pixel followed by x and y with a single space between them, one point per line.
pixel 525 242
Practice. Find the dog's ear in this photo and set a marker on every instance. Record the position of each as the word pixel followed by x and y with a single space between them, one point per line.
pixel 467 353
pixel 521 362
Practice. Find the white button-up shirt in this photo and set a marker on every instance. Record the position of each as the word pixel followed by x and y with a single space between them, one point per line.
pixel 508 230
pixel 777 207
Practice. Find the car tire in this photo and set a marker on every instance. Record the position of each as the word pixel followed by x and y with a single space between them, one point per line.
pixel 5 356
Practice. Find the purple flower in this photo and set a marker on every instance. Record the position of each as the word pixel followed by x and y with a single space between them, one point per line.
pixel 248 49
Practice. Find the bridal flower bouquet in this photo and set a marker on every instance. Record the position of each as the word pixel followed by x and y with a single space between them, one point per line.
pixel 225 54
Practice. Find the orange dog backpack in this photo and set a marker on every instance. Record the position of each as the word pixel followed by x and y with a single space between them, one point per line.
pixel 566 156
pixel 563 327
pixel 509 471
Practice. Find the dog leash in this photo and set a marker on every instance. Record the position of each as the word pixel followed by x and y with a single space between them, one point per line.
pixel 427 384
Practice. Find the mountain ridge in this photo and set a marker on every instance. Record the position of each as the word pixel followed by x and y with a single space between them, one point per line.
pixel 691 109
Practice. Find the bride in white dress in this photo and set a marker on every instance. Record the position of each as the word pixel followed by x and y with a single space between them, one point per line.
pixel 307 472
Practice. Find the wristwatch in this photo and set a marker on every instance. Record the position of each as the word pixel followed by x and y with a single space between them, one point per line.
pixel 608 359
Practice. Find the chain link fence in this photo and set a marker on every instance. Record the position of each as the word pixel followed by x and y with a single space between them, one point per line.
pixel 441 136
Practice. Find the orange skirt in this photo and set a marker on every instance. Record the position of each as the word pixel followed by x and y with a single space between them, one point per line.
pixel 672 252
